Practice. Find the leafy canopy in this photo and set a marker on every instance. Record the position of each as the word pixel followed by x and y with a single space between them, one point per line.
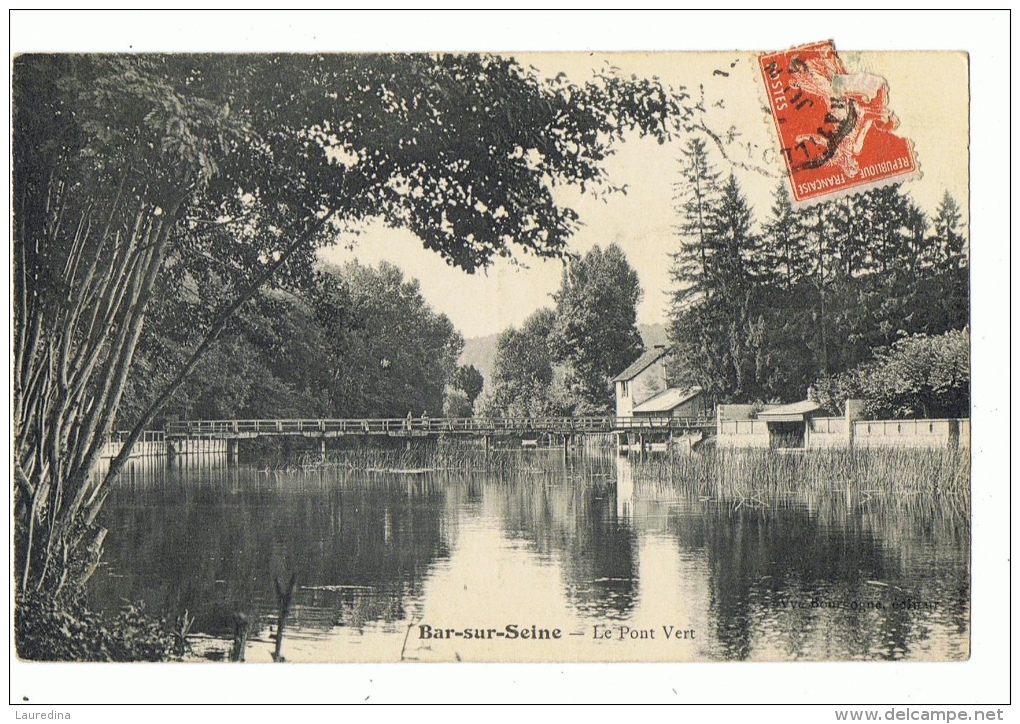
pixel 596 332
pixel 220 175
pixel 918 376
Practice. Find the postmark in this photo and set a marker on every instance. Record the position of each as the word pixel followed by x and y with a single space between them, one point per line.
pixel 835 128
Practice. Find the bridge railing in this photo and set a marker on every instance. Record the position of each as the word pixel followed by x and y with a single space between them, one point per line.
pixel 386 426
pixel 661 422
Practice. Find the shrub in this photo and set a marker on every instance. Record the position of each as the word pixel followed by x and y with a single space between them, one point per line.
pixel 918 376
pixel 46 629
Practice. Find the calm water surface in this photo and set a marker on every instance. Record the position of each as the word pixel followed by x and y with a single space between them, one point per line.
pixel 625 568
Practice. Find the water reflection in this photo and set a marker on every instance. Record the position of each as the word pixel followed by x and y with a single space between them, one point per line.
pixel 570 544
pixel 211 539
pixel 573 518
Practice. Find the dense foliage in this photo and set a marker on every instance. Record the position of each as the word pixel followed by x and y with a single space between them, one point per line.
pixel 358 341
pixel 387 352
pixel 45 630
pixel 462 391
pixel 596 334
pixel 561 360
pixel 204 179
pixel 917 376
pixel 522 376
pixel 760 311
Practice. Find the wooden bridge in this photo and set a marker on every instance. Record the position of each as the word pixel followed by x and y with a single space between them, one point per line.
pixel 186 437
pixel 425 426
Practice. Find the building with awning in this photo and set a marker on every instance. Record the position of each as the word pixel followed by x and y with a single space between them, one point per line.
pixel 797 425
pixel 788 425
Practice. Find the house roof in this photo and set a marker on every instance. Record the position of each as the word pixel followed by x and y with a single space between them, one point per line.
pixel 668 400
pixel 790 413
pixel 641 364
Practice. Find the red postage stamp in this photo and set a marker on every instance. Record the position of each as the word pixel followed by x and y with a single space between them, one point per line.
pixel 835 130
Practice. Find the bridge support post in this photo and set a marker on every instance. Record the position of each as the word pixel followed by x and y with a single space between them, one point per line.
pixel 485 443
pixel 322 448
pixel 641 443
pixel 231 450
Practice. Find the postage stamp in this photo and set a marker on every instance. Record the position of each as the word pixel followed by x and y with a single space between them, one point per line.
pixel 834 127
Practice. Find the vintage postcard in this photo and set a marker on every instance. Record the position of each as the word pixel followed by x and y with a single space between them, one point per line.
pixel 550 357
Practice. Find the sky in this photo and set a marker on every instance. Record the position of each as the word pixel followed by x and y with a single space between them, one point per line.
pixel 927 91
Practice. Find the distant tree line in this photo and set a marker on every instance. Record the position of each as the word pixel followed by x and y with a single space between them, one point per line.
pixel 356 341
pixel 762 310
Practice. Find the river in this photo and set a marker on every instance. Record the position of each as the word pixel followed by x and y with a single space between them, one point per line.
pixel 578 559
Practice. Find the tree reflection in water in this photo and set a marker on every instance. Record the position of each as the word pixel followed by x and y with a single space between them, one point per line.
pixel 797 578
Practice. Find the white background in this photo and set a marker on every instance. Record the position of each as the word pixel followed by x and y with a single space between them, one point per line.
pixel 983 679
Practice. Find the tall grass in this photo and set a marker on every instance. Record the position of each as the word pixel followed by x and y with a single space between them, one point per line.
pixel 936 482
pixel 910 477
pixel 499 464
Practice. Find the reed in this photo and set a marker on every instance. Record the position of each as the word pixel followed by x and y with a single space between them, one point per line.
pixel 938 475
pixel 498 463
pixel 936 482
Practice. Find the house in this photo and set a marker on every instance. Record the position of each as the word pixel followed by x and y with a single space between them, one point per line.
pixel 642 380
pixel 642 390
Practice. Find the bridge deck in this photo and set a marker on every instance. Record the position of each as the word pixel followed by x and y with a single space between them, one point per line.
pixel 416 427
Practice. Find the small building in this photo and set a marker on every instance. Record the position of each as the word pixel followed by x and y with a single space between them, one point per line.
pixel 641 381
pixel 798 425
pixel 788 425
pixel 674 402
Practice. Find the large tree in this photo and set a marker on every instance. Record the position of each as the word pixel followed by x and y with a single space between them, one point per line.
pixel 695 196
pixel 719 334
pixel 786 259
pixel 129 170
pixel 596 333
pixel 464 388
pixel 917 376
pixel 522 375
pixel 267 363
pixel 948 247
pixel 387 352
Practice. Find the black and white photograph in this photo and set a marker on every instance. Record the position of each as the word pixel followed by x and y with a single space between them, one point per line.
pixel 471 356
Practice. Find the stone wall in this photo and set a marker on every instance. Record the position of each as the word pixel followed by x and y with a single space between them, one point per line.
pixel 826 432
pixel 912 433
pixel 735 428
pixel 742 433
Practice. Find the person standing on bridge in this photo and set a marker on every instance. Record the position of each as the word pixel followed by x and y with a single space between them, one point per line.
pixel 425 419
pixel 410 420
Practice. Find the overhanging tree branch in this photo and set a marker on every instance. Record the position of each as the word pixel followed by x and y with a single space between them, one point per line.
pixel 211 335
